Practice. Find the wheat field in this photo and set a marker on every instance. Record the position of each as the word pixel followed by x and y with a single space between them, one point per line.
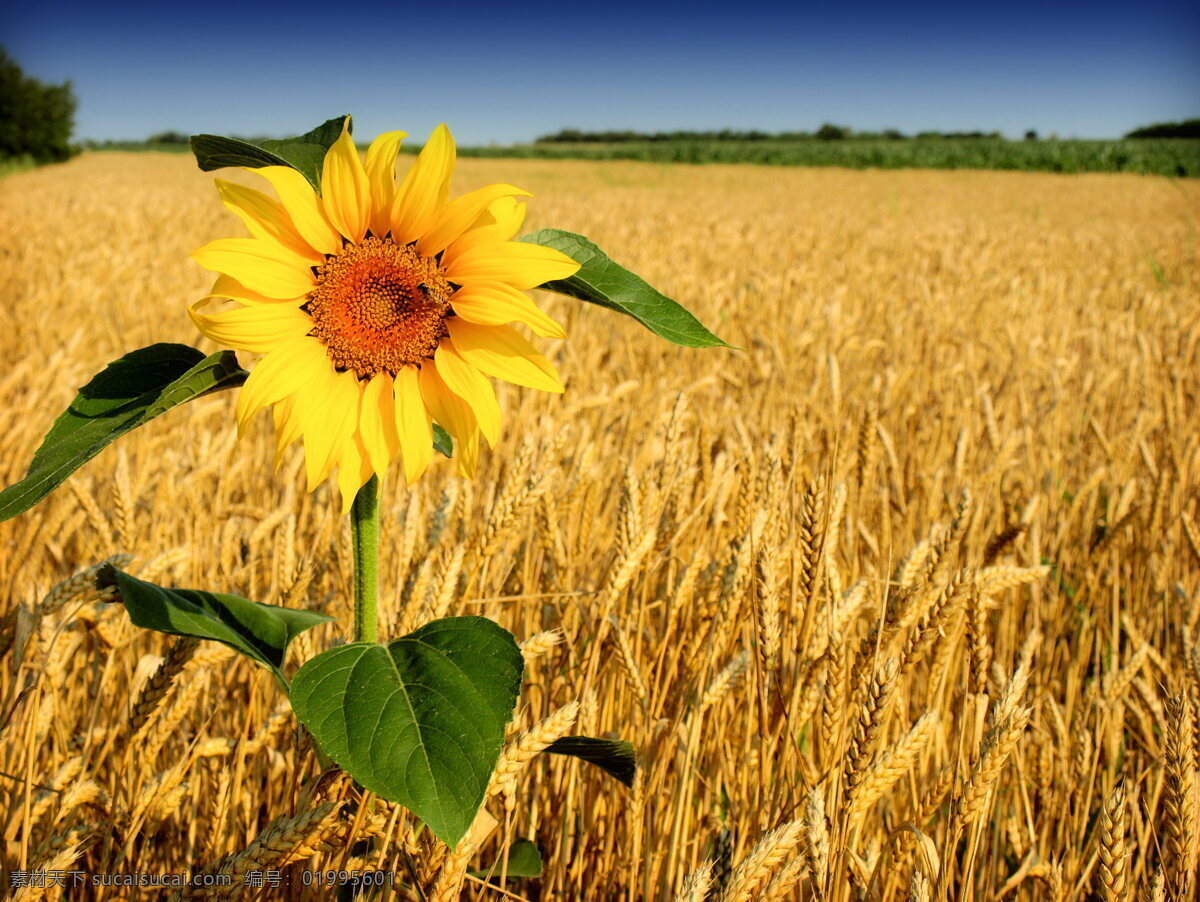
pixel 898 600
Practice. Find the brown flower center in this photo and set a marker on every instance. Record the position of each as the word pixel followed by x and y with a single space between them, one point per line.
pixel 379 306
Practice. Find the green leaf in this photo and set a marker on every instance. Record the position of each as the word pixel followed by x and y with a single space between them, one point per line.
pixel 442 443
pixel 304 153
pixel 216 152
pixel 261 632
pixel 127 393
pixel 524 860
pixel 324 135
pixel 419 721
pixel 608 284
pixel 615 757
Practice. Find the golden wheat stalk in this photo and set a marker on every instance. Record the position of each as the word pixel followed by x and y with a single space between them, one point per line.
pixel 994 754
pixel 868 728
pixel 540 643
pixel 766 612
pixel 816 836
pixel 697 885
pixel 45 875
pixel 775 848
pixel 160 683
pixel 78 585
pixel 726 680
pixel 285 840
pixel 454 866
pixel 1180 818
pixel 530 744
pixel 892 765
pixel 1111 874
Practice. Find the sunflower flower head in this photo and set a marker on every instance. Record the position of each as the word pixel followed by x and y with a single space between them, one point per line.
pixel 379 308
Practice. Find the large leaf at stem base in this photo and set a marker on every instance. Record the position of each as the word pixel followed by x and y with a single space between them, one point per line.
pixel 127 393
pixel 261 632
pixel 419 721
pixel 304 153
pixel 602 281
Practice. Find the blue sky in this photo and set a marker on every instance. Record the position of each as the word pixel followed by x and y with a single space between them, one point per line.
pixel 509 72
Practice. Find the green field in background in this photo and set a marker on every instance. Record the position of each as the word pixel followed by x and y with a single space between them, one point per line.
pixel 1178 157
pixel 1171 156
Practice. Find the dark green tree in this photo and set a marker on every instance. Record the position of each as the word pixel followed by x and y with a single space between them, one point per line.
pixel 36 119
pixel 1189 128
pixel 169 137
pixel 830 132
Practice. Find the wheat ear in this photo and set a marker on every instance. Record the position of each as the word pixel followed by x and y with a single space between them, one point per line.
pixel 869 727
pixel 697 884
pixel 764 859
pixel 1111 875
pixel 997 746
pixel 1179 798
pixel 530 744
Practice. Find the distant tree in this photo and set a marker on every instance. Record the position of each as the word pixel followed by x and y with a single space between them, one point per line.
pixel 169 137
pixel 563 136
pixel 36 119
pixel 893 134
pixel 829 132
pixel 1189 128
pixel 1031 135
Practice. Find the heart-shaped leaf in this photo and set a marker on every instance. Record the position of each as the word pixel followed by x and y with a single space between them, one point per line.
pixel 261 632
pixel 524 860
pixel 127 393
pixel 304 153
pixel 602 281
pixel 615 757
pixel 419 721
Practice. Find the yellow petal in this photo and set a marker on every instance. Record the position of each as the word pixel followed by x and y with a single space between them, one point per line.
pixel 412 424
pixel 261 266
pixel 377 422
pixel 472 386
pixel 354 469
pixel 425 189
pixel 381 173
pixel 329 407
pixel 287 427
pixel 496 304
pixel 258 329
pixel 454 415
pixel 303 206
pixel 500 351
pixel 283 372
pixel 229 287
pixel 265 218
pixel 516 263
pixel 460 214
pixel 345 191
pixel 501 222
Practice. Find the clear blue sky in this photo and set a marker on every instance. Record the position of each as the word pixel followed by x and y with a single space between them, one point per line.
pixel 508 72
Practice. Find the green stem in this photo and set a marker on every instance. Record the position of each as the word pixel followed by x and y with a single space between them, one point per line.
pixel 364 528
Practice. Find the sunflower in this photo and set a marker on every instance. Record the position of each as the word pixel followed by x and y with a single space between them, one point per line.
pixel 380 308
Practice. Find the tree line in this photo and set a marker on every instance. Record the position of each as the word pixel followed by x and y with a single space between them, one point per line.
pixel 1188 128
pixel 828 132
pixel 36 119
